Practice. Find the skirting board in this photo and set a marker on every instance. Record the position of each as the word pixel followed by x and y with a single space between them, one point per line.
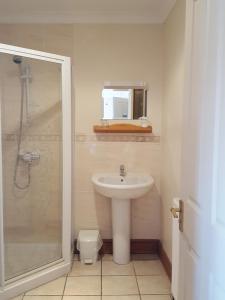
pixel 141 246
pixel 137 246
pixel 165 261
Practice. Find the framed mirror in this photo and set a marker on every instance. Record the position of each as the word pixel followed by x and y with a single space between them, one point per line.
pixel 124 102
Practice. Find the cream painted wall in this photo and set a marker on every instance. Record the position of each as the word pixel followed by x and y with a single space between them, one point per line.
pixel 115 53
pixel 174 35
pixel 101 53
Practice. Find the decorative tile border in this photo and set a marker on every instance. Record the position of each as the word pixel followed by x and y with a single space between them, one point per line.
pixel 82 138
pixel 33 138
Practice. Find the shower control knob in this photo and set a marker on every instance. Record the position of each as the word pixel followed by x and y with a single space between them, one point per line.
pixel 30 156
pixel 35 156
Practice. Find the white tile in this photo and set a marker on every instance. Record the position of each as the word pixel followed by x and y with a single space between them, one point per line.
pixel 80 269
pixel 84 285
pixel 119 285
pixel 153 284
pixel 148 267
pixel 111 268
pixel 54 287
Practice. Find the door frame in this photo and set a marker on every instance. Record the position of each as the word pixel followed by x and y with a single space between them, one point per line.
pixel 11 288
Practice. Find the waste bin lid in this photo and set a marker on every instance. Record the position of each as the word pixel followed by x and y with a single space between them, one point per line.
pixel 88 235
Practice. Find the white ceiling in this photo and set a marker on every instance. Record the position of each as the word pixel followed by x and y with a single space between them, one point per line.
pixel 84 11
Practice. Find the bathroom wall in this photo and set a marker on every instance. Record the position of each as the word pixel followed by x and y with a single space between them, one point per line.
pixel 174 35
pixel 106 53
pixel 116 53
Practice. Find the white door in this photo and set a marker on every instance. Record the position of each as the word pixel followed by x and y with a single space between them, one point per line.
pixel 202 243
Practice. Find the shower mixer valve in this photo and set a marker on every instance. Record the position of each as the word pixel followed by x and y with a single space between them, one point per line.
pixel 28 157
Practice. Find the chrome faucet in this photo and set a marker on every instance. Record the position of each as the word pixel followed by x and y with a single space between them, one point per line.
pixel 122 171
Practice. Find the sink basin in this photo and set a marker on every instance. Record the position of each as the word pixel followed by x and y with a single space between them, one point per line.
pixel 128 187
pixel 121 190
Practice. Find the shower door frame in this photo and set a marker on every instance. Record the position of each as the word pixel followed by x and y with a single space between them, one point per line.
pixel 36 277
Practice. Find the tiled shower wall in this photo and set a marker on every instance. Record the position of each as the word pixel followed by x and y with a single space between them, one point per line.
pixel 103 53
pixel 38 207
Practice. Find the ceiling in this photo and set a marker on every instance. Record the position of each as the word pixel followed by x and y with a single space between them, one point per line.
pixel 84 11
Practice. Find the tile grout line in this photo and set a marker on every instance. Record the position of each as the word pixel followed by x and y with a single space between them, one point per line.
pixel 101 278
pixel 136 280
pixel 64 288
pixel 66 281
pixel 101 285
pixel 113 275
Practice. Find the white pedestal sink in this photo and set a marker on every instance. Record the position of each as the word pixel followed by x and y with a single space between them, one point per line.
pixel 121 190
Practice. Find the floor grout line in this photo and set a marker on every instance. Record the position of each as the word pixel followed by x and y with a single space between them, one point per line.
pixel 101 278
pixel 101 283
pixel 136 280
pixel 121 275
pixel 64 287
pixel 66 280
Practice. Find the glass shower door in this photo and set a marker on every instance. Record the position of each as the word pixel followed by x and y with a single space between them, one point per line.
pixel 33 158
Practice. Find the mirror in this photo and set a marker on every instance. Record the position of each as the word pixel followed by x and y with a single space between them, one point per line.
pixel 124 103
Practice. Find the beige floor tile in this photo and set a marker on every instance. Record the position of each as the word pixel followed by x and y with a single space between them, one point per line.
pixel 130 297
pixel 153 284
pixel 82 298
pixel 76 257
pixel 155 297
pixel 111 268
pixel 107 257
pixel 84 285
pixel 42 297
pixel 20 297
pixel 80 269
pixel 54 287
pixel 119 285
pixel 148 267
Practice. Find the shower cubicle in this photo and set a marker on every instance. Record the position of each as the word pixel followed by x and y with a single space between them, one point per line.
pixel 35 168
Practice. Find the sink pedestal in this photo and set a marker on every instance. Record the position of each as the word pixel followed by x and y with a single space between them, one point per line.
pixel 121 230
pixel 121 189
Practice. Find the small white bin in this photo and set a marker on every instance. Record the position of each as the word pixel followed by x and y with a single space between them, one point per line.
pixel 89 243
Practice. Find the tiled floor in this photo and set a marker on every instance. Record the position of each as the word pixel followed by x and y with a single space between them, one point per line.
pixel 105 280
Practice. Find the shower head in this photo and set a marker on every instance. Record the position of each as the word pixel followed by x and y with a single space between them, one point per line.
pixel 17 59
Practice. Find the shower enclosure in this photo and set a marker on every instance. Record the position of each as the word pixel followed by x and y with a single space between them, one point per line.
pixel 35 168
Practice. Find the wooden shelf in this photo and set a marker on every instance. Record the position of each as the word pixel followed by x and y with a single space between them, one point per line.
pixel 122 128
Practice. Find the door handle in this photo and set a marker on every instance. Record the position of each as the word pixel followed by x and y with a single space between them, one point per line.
pixel 178 213
pixel 175 212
